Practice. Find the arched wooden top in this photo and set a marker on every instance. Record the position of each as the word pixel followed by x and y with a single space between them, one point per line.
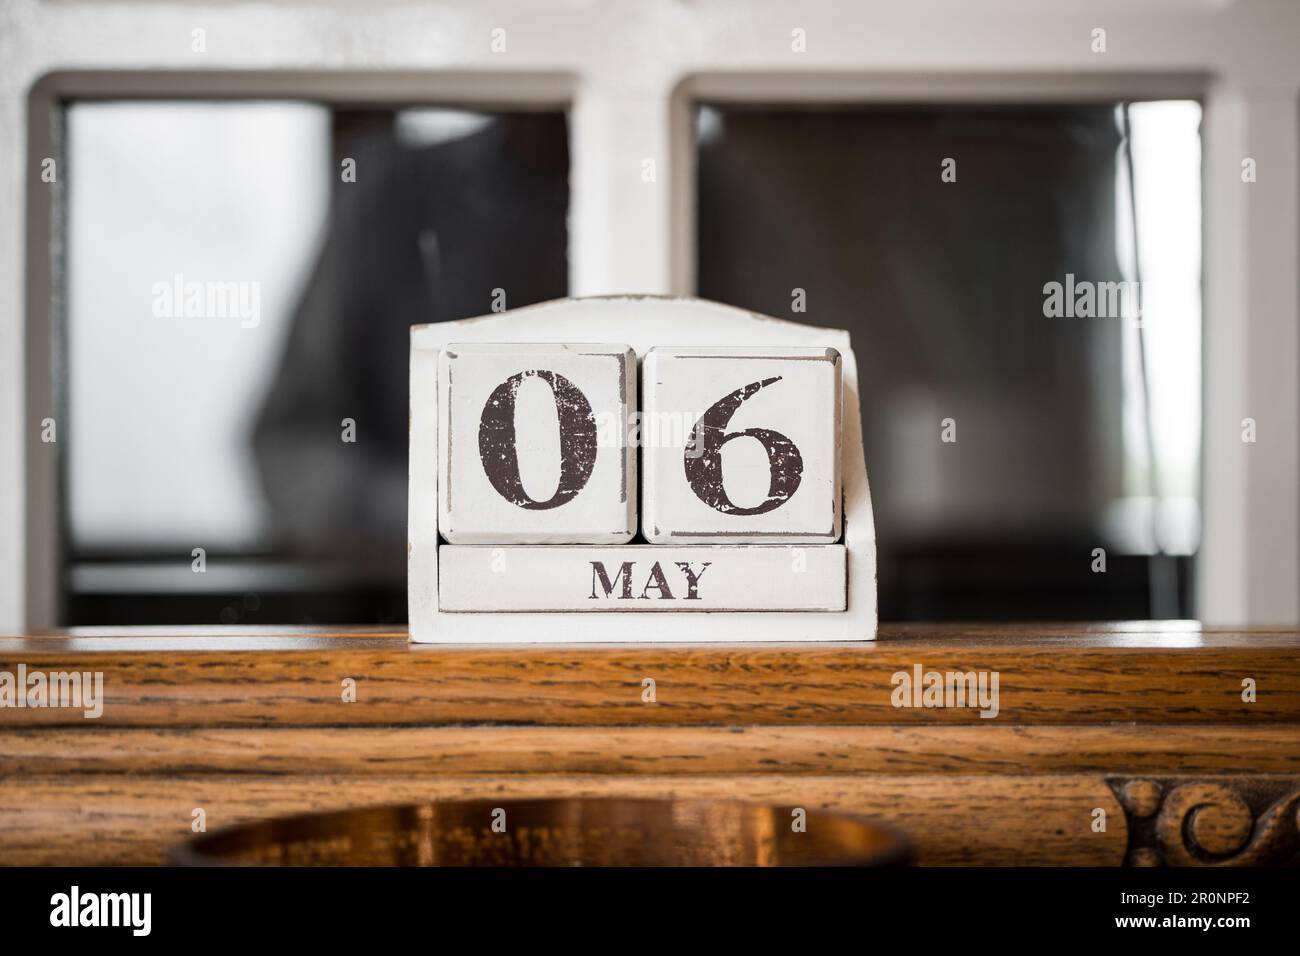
pixel 639 321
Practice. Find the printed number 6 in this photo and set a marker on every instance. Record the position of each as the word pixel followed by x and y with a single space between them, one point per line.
pixel 703 457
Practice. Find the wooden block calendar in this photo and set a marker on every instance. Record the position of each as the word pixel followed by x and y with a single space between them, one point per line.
pixel 636 469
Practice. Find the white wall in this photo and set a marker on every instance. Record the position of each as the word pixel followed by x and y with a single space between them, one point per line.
pixel 632 236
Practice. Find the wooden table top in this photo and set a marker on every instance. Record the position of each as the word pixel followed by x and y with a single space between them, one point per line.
pixel 1049 673
pixel 1121 634
pixel 248 723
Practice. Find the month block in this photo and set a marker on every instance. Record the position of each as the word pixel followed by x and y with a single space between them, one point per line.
pixel 741 445
pixel 643 578
pixel 534 444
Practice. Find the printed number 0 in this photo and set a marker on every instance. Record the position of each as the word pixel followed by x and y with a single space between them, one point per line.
pixel 704 456
pixel 499 450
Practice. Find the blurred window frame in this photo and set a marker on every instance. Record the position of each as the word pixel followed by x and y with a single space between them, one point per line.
pixel 631 86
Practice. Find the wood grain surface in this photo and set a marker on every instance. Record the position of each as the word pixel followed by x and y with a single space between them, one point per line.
pixel 797 750
pixel 251 722
pixel 133 819
pixel 1047 676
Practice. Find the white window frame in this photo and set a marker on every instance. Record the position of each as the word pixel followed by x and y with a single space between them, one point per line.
pixel 630 72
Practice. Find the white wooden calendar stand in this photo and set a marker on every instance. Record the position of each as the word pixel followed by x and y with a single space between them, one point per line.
pixel 776 608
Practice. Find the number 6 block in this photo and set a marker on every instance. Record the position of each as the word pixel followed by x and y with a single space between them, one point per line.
pixel 741 445
pixel 534 444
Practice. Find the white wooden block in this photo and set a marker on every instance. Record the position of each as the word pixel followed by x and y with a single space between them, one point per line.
pixel 534 443
pixel 643 578
pixel 741 445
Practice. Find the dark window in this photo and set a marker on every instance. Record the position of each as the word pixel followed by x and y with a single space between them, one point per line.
pixel 942 284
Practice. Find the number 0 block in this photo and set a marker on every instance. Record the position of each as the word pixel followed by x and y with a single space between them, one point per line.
pixel 534 444
pixel 741 445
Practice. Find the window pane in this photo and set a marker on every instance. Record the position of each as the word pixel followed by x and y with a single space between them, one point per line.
pixel 932 233
pixel 241 278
